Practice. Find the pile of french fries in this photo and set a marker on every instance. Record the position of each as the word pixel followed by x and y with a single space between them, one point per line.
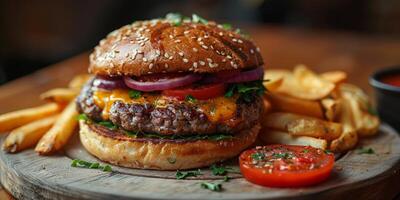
pixel 48 127
pixel 320 110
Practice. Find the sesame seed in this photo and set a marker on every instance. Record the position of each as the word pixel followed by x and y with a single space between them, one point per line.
pixel 234 40
pixel 181 54
pixel 185 32
pixel 230 35
pixel 151 65
pixel 185 60
pixel 201 43
pixel 221 34
pixel 258 49
pixel 209 60
pixel 177 41
pixel 145 59
pixel 240 41
pixel 171 57
pixel 204 46
pixel 224 60
pixel 206 36
pixel 199 39
pixel 170 36
pixel 252 51
pixel 195 64
pixel 195 49
pixel 229 57
pixel 202 62
pixel 166 55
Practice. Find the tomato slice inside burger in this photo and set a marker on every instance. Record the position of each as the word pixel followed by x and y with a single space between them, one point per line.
pixel 202 92
pixel 286 165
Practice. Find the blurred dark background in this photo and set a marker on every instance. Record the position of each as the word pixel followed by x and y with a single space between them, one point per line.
pixel 34 34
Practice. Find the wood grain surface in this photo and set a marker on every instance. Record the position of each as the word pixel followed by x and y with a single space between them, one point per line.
pixel 359 55
pixel 29 176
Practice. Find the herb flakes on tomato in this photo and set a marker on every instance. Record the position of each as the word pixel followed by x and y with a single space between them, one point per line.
pixel 286 165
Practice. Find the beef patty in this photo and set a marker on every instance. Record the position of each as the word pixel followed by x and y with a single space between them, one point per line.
pixel 176 117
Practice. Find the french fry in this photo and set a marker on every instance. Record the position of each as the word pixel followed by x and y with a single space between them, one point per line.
pixel 28 135
pixel 348 140
pixel 78 81
pixel 302 83
pixel 335 77
pixel 299 125
pixel 267 106
pixel 357 93
pixel 59 95
pixel 281 102
pixel 331 108
pixel 349 137
pixel 279 137
pixel 309 85
pixel 60 132
pixel 370 125
pixel 364 123
pixel 11 120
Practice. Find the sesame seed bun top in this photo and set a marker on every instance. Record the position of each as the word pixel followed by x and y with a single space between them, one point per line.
pixel 164 46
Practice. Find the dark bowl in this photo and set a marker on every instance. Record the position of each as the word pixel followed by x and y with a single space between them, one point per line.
pixel 387 97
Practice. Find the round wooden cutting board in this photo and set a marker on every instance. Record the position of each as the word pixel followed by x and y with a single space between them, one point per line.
pixel 29 176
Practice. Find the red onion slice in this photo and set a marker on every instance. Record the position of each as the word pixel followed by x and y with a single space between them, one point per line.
pixel 108 83
pixel 251 75
pixel 162 84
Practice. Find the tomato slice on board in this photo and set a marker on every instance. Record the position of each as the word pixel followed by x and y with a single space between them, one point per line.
pixel 201 92
pixel 286 165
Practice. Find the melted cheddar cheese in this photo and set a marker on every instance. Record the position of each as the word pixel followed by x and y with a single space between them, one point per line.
pixel 217 109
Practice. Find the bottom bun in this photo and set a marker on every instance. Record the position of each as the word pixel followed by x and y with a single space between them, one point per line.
pixel 162 154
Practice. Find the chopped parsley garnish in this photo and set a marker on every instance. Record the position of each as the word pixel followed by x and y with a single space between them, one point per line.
pixel 218 170
pixel 190 98
pixel 282 155
pixel 306 151
pixel 212 186
pixel 134 94
pixel 327 151
pixel 227 26
pixel 226 178
pixel 83 117
pixel 257 156
pixel 363 150
pixel 90 165
pixel 175 18
pixel 183 175
pixel 198 19
pixel 108 124
pixel 247 91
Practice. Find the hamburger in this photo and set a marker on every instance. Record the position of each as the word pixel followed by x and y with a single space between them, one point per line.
pixel 172 93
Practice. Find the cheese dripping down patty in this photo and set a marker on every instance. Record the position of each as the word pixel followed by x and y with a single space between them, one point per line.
pixel 217 109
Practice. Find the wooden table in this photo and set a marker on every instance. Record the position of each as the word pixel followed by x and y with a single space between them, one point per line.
pixel 359 55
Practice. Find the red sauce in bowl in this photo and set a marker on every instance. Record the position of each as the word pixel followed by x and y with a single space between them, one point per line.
pixel 392 79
